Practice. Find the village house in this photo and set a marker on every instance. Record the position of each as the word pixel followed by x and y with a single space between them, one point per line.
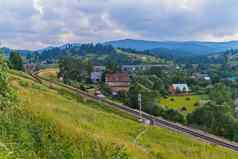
pixel 179 89
pixel 133 68
pixel 201 76
pixel 96 75
pixel 117 82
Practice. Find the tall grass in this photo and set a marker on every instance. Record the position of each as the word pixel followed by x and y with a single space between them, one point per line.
pixel 56 123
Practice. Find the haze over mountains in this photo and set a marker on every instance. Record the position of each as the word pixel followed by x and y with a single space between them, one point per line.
pixel 190 47
pixel 175 47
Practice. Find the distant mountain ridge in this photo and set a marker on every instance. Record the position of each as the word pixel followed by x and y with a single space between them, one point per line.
pixel 189 47
pixel 61 47
pixel 158 47
pixel 7 51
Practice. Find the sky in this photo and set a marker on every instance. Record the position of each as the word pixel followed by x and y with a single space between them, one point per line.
pixel 34 24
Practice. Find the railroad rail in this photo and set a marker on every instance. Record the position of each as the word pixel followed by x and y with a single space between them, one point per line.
pixel 209 138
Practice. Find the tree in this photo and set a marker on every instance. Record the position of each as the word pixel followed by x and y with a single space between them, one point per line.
pixel 15 61
pixel 112 66
pixel 173 115
pixel 179 77
pixel 6 94
pixel 216 119
pixel 148 97
pixel 221 94
pixel 74 69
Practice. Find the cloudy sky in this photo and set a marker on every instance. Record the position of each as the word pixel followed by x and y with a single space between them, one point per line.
pixel 33 24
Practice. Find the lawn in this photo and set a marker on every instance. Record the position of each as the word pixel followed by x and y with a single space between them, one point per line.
pixel 75 116
pixel 189 102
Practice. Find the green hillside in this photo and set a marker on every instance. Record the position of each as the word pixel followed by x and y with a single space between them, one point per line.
pixel 98 54
pixel 56 123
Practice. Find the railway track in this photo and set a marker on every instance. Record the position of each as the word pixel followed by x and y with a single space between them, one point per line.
pixel 154 120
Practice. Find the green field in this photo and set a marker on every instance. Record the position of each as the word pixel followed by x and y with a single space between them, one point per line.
pixel 76 118
pixel 178 102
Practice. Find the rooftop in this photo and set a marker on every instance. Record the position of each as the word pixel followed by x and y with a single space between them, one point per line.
pixel 117 77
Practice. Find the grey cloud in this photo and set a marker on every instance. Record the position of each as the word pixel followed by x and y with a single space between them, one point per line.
pixel 38 23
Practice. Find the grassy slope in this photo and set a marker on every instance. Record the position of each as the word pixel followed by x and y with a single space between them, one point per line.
pixel 49 73
pixel 180 102
pixel 147 59
pixel 73 117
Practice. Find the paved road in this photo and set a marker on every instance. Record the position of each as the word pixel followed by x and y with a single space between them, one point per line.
pixel 154 120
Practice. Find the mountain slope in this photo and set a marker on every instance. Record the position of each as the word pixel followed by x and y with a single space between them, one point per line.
pixel 98 54
pixel 7 51
pixel 189 47
pixel 82 121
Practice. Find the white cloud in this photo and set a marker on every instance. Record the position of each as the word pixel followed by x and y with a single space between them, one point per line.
pixel 38 6
pixel 39 23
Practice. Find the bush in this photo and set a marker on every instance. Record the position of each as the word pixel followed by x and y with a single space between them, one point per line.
pixel 196 104
pixel 82 87
pixel 159 111
pixel 172 99
pixel 183 109
pixel 188 98
pixel 169 114
pixel 106 90
pixel 23 83
pixel 7 95
pixel 174 115
pixel 216 119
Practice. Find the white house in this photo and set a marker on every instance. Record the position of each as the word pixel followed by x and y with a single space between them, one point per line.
pixel 133 68
pixel 96 75
pixel 182 88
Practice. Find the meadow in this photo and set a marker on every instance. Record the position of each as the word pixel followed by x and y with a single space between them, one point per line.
pixel 184 104
pixel 76 123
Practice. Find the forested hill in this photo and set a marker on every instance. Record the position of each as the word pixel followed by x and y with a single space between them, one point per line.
pixel 96 53
pixel 7 52
pixel 182 48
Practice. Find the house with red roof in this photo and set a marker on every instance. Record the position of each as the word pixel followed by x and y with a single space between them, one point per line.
pixel 117 81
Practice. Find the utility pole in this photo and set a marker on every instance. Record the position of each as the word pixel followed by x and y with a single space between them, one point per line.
pixel 140 106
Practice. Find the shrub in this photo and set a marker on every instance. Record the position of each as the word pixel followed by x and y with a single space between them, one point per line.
pixel 7 95
pixel 172 99
pixel 196 104
pixel 215 119
pixel 106 90
pixel 36 86
pixel 188 98
pixel 169 114
pixel 23 83
pixel 82 87
pixel 174 115
pixel 183 109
